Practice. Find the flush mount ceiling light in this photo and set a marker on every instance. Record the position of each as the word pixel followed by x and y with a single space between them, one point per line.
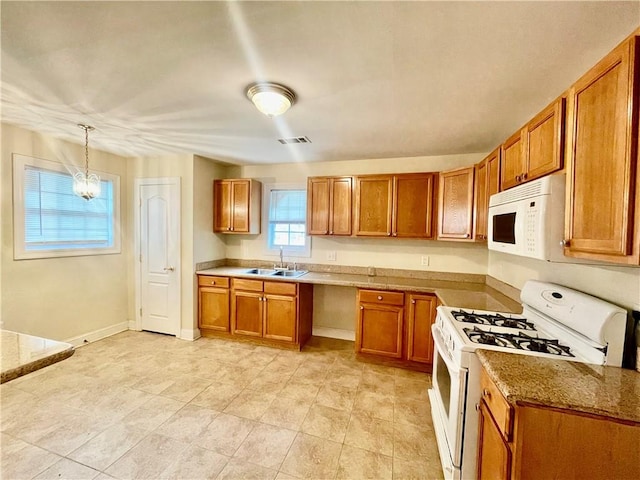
pixel 272 99
pixel 85 185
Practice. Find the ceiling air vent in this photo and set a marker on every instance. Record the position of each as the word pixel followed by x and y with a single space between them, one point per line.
pixel 286 141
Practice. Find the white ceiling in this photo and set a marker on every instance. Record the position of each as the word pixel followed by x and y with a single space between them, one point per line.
pixel 373 79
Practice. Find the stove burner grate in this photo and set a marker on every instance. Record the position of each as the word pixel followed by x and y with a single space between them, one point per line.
pixel 495 319
pixel 519 341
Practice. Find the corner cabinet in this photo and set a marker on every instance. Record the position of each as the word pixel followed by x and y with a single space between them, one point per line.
pixel 236 206
pixel 535 150
pixel 455 204
pixel 396 326
pixel 399 205
pixel 329 205
pixel 603 172
pixel 531 441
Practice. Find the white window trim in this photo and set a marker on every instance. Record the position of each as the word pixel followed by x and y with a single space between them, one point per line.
pixel 19 251
pixel 266 202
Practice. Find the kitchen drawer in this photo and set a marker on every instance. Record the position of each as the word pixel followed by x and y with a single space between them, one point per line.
pixel 280 288
pixel 500 410
pixel 208 281
pixel 377 296
pixel 243 284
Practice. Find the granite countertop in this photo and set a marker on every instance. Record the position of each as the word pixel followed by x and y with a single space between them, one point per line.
pixel 529 380
pixel 462 294
pixel 22 354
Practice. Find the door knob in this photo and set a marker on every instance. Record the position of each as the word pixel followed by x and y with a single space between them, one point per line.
pixel 169 269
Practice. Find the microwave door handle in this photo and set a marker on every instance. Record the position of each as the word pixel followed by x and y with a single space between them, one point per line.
pixel 442 351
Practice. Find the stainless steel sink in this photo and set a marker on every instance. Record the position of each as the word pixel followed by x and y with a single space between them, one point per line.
pixel 289 273
pixel 261 271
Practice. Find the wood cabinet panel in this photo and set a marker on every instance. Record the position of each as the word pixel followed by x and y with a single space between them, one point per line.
pixel 500 409
pixel 545 141
pixel 374 204
pixel 413 211
pixel 379 330
pixel 481 200
pixel 494 455
pixel 213 308
pixel 493 172
pixel 210 281
pixel 382 297
pixel 280 288
pixel 246 310
pixel 236 206
pixel 513 162
pixel 280 317
pixel 329 205
pixel 455 204
pixel 420 316
pixel 603 160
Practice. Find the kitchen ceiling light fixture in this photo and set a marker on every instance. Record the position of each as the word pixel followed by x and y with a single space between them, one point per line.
pixel 272 99
pixel 85 185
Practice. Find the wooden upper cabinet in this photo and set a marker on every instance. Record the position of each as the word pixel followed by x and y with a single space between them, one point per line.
pixel 455 204
pixel 512 161
pixel 329 205
pixel 544 141
pixel 487 183
pixel 374 204
pixel 603 184
pixel 413 205
pixel 236 206
pixel 535 150
pixel 399 205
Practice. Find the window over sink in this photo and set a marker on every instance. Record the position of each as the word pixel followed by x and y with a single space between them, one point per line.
pixel 287 216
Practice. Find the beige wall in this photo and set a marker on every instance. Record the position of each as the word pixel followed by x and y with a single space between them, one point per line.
pixel 61 298
pixel 619 285
pixel 383 252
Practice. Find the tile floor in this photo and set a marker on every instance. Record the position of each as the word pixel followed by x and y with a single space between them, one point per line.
pixel 143 405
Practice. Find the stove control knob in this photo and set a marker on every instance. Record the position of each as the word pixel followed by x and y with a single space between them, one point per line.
pixel 557 295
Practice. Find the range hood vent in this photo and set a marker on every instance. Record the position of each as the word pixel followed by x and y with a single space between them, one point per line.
pixel 286 141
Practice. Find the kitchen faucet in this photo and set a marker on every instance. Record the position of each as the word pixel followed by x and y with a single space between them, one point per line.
pixel 282 265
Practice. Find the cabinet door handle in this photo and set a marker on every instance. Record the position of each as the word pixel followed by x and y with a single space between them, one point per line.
pixel 395 234
pixel 466 235
pixel 388 234
pixel 477 407
pixel 361 307
pixel 565 243
pixel 486 393
pixel 518 178
pixel 413 301
pixel 331 232
pixel 524 176
pixel 379 297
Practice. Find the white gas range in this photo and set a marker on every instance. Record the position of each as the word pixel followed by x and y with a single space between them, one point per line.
pixel 556 322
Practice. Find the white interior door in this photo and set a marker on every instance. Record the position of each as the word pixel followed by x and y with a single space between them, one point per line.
pixel 160 256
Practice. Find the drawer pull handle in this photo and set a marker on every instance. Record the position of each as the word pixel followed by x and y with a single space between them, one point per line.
pixel 486 393
pixel 361 307
pixel 379 297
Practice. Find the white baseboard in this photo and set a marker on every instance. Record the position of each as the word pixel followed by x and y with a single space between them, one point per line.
pixel 133 325
pixel 186 334
pixel 90 337
pixel 334 333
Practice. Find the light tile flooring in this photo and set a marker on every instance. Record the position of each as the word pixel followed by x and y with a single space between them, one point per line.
pixel 143 405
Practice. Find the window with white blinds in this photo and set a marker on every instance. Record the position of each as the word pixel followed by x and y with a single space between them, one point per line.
pixel 287 221
pixel 50 220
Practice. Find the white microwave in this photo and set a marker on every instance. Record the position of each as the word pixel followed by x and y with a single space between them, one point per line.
pixel 528 220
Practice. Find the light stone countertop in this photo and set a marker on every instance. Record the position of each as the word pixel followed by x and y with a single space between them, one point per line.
pixel 529 380
pixel 462 294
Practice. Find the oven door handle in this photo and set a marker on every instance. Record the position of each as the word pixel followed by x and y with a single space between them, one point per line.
pixel 444 353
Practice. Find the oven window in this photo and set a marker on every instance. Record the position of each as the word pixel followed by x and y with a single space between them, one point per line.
pixel 444 382
pixel 504 228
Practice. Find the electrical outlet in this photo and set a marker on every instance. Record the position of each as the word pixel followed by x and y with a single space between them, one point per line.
pixel 424 260
pixel 331 256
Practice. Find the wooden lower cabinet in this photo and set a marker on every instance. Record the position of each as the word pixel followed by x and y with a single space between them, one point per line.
pixel 529 441
pixel 396 326
pixel 267 312
pixel 494 455
pixel 420 314
pixel 213 303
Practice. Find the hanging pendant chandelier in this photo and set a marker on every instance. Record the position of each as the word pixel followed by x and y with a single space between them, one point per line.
pixel 85 185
